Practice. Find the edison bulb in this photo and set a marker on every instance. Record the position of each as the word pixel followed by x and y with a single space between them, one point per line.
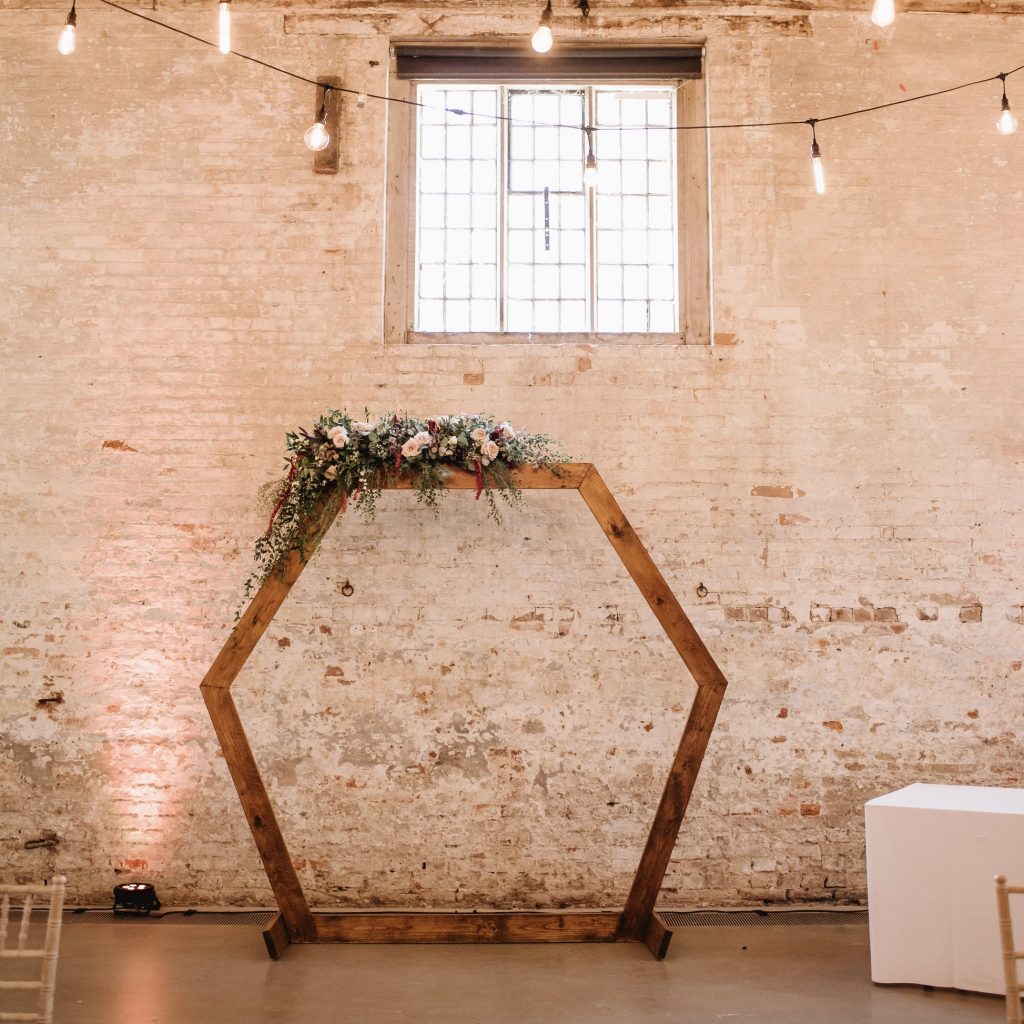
pixel 317 137
pixel 224 41
pixel 590 172
pixel 66 44
pixel 1007 123
pixel 542 39
pixel 883 13
pixel 819 175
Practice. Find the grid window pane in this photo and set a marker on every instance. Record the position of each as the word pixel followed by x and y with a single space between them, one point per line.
pixel 457 210
pixel 637 264
pixel 507 236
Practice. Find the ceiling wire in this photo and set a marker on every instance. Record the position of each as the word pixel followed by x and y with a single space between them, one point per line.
pixel 1001 76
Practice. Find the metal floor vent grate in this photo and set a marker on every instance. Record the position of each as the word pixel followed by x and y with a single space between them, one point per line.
pixel 762 918
pixel 189 918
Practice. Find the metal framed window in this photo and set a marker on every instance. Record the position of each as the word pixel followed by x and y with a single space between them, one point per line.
pixel 502 239
pixel 509 239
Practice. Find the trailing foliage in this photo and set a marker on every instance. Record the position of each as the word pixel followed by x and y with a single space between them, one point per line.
pixel 351 461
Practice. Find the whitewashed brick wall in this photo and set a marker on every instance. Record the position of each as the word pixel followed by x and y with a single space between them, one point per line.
pixel 488 719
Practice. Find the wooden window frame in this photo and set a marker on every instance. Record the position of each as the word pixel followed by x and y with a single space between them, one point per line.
pixel 692 207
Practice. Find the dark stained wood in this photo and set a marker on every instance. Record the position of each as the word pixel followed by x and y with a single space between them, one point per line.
pixel 277 938
pixel 486 926
pixel 711 685
pixel 564 476
pixel 649 581
pixel 637 922
pixel 661 841
pixel 260 814
pixel 657 937
pixel 268 599
pixel 328 161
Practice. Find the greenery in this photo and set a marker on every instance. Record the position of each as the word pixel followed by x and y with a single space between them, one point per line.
pixel 347 461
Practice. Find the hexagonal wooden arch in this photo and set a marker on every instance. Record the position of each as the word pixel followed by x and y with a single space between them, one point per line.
pixel 638 921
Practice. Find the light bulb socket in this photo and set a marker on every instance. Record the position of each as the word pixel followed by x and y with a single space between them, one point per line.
pixel 1006 102
pixel 72 16
pixel 545 18
pixel 815 150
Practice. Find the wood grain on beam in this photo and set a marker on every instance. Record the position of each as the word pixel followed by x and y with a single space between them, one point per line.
pixel 485 926
pixel 260 814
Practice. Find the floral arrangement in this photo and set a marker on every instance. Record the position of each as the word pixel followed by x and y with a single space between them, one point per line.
pixel 353 460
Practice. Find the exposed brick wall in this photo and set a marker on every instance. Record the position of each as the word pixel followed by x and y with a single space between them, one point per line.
pixel 490 715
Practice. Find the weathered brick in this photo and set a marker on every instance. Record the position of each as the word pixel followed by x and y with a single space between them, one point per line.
pixel 838 472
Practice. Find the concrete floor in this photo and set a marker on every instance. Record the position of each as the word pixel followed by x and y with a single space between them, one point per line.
pixel 113 974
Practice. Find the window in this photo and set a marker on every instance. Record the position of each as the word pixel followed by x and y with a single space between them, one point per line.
pixel 493 235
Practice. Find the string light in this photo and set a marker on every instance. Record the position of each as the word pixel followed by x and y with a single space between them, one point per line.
pixel 883 13
pixel 1007 123
pixel 319 134
pixel 224 35
pixel 66 44
pixel 317 137
pixel 542 39
pixel 817 165
pixel 590 167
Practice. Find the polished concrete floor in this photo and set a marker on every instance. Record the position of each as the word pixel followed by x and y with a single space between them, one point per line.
pixel 117 974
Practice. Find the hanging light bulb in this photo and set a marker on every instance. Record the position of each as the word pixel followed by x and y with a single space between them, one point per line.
pixel 590 167
pixel 1007 123
pixel 817 165
pixel 361 100
pixel 317 137
pixel 224 40
pixel 66 44
pixel 883 13
pixel 542 38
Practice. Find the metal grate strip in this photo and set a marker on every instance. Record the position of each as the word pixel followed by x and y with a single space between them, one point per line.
pixel 190 918
pixel 762 918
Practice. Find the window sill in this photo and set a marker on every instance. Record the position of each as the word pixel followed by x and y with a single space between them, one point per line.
pixel 534 340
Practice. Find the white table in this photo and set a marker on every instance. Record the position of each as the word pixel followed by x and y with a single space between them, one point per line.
pixel 932 852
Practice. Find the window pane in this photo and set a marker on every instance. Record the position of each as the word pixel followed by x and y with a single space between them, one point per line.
pixel 502 216
pixel 457 211
pixel 637 270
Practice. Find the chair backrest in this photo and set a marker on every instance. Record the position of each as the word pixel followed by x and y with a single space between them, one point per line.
pixel 1010 955
pixel 22 943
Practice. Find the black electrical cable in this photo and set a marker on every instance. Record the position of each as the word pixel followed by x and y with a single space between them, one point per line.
pixel 1002 76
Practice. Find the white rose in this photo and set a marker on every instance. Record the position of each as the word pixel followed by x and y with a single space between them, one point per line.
pixel 423 438
pixel 338 436
pixel 479 435
pixel 363 427
pixel 489 450
pixel 506 429
pixel 411 448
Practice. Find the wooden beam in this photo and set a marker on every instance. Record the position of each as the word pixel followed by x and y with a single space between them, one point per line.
pixel 485 926
pixel 565 476
pixel 711 684
pixel 661 840
pixel 649 581
pixel 637 922
pixel 328 161
pixel 277 938
pixel 657 937
pixel 260 814
pixel 269 598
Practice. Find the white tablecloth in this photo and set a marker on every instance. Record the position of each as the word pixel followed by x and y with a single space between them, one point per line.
pixel 932 852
